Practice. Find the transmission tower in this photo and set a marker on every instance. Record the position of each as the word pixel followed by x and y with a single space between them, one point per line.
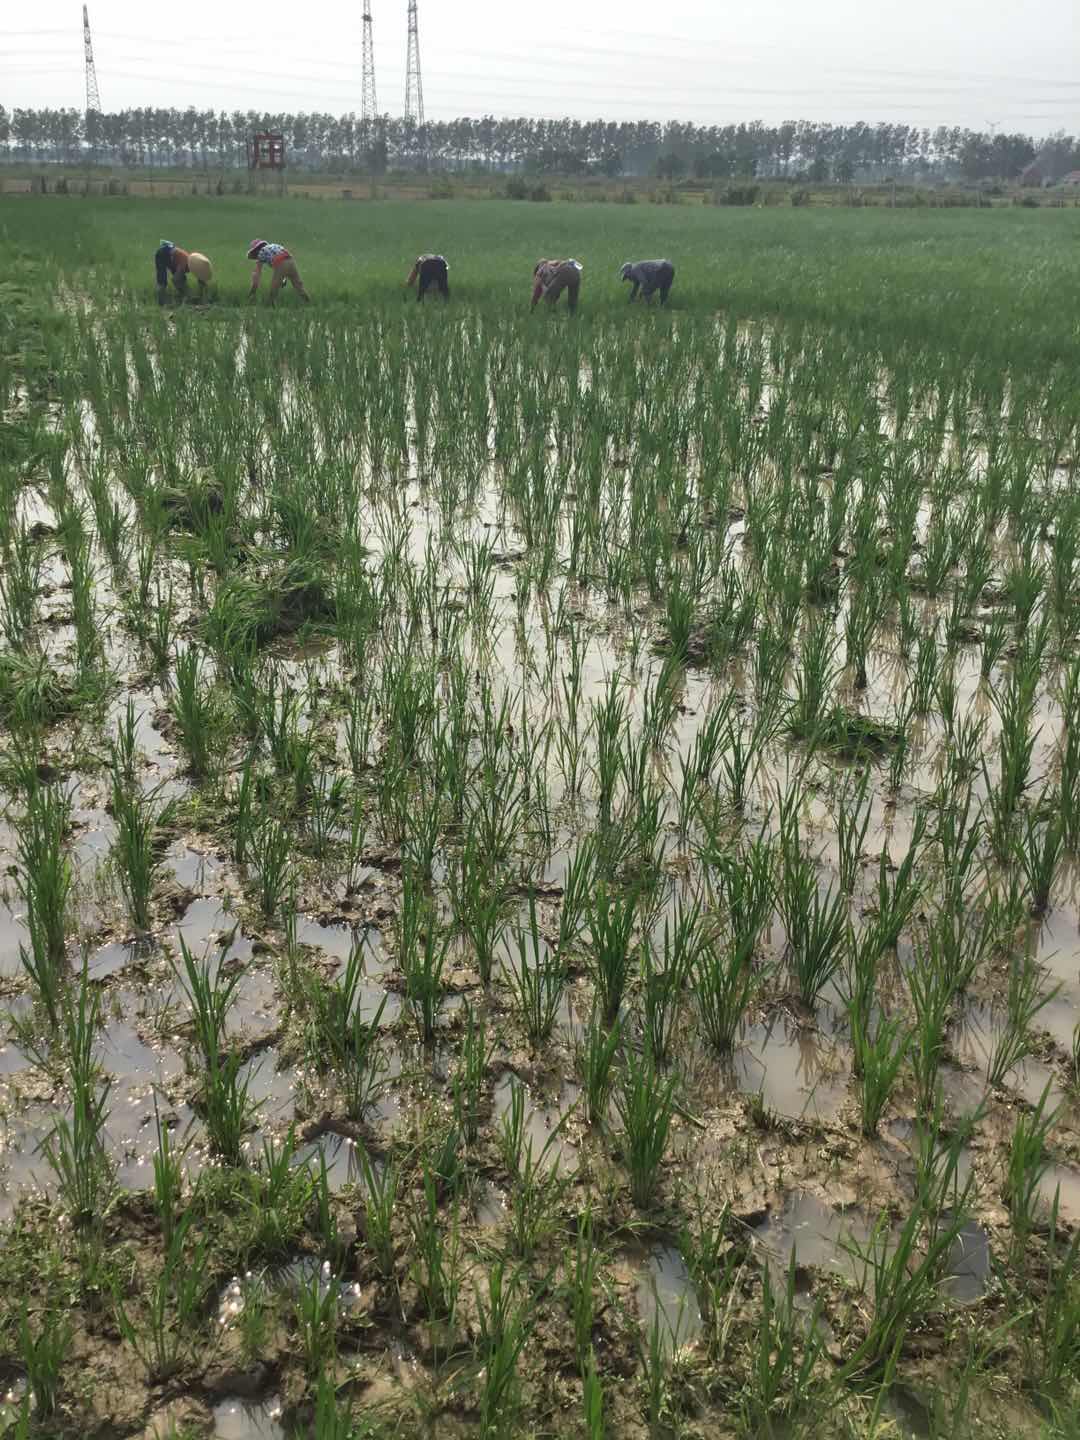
pixel 93 95
pixel 414 86
pixel 369 106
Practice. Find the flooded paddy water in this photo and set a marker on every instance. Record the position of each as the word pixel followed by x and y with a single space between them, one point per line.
pixel 538 897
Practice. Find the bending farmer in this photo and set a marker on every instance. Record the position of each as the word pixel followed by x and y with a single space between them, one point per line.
pixel 169 259
pixel 282 268
pixel 552 277
pixel 430 270
pixel 648 277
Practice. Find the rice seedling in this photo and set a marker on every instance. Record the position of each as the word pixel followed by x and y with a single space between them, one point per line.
pixel 44 881
pixel 1024 1000
pixel 422 956
pixel 340 1039
pixel 168 1177
pixel 470 1074
pixel 316 1316
pixel 879 1054
pixel 537 980
pixel 44 1358
pixel 224 1099
pixel 193 711
pixel 506 1319
pixel 814 924
pixel 436 1266
pixel 164 1330
pixel 136 850
pixel 379 1197
pixel 645 1103
pixel 20 582
pixel 1028 1162
pixel 1038 852
pixel 75 1146
pixel 852 823
pixel 725 986
pixel 783 1383
pixel 269 846
pixel 611 927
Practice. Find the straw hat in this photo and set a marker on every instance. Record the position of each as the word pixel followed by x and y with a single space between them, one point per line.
pixel 253 247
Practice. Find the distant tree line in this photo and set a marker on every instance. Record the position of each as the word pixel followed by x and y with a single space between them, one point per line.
pixel 205 140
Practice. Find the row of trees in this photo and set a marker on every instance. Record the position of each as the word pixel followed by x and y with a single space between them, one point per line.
pixel 207 140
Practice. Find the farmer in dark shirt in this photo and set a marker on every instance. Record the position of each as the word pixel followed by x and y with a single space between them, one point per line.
pixel 552 277
pixel 169 259
pixel 648 277
pixel 430 270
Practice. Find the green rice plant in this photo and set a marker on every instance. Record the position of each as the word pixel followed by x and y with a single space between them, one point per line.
pixel 879 1056
pixel 902 1271
pixel 726 984
pixel 814 924
pixel 1025 999
pixel 852 822
pixel 467 1084
pixel 1050 1341
pixel 338 1037
pixel 897 901
pixel 158 632
pixel 75 1146
pixel 608 722
pixel 995 642
pixel 20 582
pixel 194 713
pixel 379 1192
pixel 537 981
pixel 583 1267
pixel 422 953
pixel 813 680
pixel 224 1099
pixel 595 1056
pixel 136 853
pixel 479 902
pixel 506 1318
pixel 436 1265
pixel 270 846
pixel 165 1330
pixel 925 678
pixel 932 995
pixel 327 801
pixel 44 1357
pixel 316 1316
pixel 593 1401
pixel 1027 1164
pixel 663 981
pixel 783 1383
pixel 1038 853
pixel 656 1366
pixel 611 927
pixel 645 1103
pixel 168 1177
pixel 44 880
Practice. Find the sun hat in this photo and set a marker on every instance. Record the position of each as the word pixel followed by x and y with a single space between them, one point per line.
pixel 253 247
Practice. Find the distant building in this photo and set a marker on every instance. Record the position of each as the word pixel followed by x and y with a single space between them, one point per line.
pixel 1072 180
pixel 1035 174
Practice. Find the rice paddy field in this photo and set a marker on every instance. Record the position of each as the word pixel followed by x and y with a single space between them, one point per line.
pixel 539 853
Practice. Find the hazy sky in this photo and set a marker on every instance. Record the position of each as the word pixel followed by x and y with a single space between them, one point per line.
pixel 980 63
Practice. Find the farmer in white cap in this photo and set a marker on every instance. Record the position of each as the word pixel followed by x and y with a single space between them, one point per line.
pixel 169 259
pixel 649 276
pixel 430 270
pixel 552 277
pixel 282 268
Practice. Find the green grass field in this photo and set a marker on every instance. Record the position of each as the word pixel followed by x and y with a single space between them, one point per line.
pixel 538 854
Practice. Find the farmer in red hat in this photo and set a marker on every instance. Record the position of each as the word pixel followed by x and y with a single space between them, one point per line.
pixel 282 268
pixel 552 277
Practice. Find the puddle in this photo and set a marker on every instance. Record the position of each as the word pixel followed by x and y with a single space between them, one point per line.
pixel 968 1265
pixel 341 1156
pixel 490 1207
pixel 664 1292
pixel 236 1419
pixel 194 870
pixel 816 1234
pixel 1064 1182
pixel 539 1125
pixel 795 1070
